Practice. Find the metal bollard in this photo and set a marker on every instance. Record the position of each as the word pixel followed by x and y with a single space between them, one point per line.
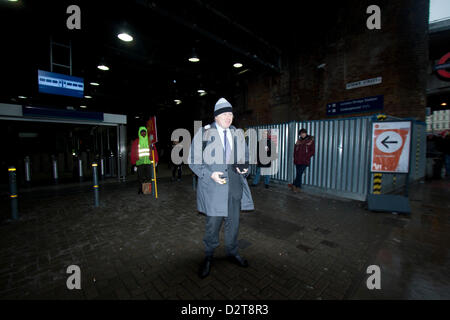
pixel 13 193
pixel 95 177
pixel 27 169
pixel 102 167
pixel 80 168
pixel 55 168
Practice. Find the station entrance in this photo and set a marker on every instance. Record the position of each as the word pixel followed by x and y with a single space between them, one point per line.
pixel 47 150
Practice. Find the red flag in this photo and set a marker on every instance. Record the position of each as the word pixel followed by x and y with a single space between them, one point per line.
pixel 152 130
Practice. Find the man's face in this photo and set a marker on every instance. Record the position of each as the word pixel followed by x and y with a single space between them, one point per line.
pixel 225 119
pixel 303 135
pixel 143 133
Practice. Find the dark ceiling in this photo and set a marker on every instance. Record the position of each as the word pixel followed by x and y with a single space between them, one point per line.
pixel 141 72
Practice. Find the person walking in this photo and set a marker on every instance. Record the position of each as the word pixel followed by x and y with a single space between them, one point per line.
pixel 176 168
pixel 266 143
pixel 303 151
pixel 222 190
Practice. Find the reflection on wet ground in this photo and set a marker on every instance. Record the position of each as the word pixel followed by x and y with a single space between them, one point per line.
pixel 299 246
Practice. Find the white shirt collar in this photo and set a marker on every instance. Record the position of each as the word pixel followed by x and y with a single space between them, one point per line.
pixel 220 129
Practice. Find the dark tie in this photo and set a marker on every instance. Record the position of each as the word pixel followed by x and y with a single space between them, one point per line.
pixel 226 147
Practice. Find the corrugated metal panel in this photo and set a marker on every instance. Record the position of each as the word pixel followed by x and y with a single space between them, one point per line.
pixel 341 163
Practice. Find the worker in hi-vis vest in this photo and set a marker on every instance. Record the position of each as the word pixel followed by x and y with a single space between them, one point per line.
pixel 141 155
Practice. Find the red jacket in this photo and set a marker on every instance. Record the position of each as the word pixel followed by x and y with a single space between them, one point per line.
pixel 135 152
pixel 304 150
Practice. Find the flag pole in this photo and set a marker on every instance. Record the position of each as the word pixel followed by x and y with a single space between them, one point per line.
pixel 154 173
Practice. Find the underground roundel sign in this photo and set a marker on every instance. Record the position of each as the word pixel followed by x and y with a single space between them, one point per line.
pixel 391 146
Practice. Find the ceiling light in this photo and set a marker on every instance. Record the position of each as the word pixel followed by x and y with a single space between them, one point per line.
pixel 243 71
pixel 88 97
pixel 95 84
pixel 202 94
pixel 443 104
pixel 237 65
pixel 84 107
pixel 22 97
pixel 12 0
pixel 125 37
pixel 177 101
pixel 103 67
pixel 201 91
pixel 194 57
pixel 137 117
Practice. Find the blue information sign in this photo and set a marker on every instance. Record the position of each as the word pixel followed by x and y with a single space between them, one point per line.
pixel 61 84
pixel 356 106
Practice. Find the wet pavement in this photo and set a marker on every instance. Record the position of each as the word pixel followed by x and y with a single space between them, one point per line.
pixel 299 246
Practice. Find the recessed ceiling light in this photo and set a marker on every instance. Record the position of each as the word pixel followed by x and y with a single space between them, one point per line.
pixel 202 94
pixel 22 97
pixel 177 101
pixel 95 84
pixel 88 97
pixel 125 37
pixel 194 57
pixel 237 65
pixel 12 0
pixel 103 67
pixel 84 107
pixel 443 104
pixel 201 91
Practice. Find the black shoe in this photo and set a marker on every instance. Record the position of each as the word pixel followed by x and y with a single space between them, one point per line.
pixel 266 186
pixel 241 262
pixel 205 268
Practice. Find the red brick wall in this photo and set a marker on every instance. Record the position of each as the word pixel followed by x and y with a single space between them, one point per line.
pixel 398 53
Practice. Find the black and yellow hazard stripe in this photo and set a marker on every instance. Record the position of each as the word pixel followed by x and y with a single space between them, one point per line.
pixel 377 183
pixel 377 177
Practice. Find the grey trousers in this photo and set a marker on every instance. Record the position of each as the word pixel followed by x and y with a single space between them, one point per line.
pixel 213 224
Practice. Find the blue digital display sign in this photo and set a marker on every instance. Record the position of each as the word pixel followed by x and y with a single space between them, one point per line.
pixel 60 84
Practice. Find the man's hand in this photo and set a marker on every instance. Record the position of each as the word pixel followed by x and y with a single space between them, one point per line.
pixel 216 177
pixel 244 171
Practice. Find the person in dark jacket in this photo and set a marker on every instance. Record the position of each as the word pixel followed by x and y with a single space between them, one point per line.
pixel 176 167
pixel 303 151
pixel 266 144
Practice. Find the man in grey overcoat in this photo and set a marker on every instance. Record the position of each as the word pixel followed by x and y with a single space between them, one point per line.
pixel 219 157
